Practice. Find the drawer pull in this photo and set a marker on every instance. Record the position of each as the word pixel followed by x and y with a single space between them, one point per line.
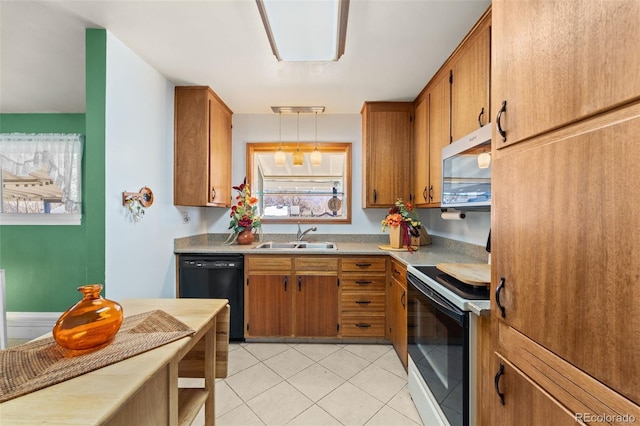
pixel 363 265
pixel 363 282
pixel 363 325
pixel 395 271
pixel 363 302
pixel 496 383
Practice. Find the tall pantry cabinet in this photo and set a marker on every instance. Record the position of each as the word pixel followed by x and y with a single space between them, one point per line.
pixel 202 148
pixel 565 234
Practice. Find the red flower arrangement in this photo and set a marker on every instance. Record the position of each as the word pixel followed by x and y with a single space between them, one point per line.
pixel 244 215
pixel 403 215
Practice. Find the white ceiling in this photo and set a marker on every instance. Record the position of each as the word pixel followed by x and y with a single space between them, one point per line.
pixel 393 48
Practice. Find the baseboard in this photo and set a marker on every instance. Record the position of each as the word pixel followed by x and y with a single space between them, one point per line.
pixel 29 325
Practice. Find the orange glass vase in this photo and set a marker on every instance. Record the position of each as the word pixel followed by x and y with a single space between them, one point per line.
pixel 91 322
pixel 245 237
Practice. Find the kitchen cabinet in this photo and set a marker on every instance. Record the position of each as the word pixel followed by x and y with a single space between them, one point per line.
pixel 386 146
pixel 556 63
pixel 420 156
pixel 316 297
pixel 451 106
pixel 470 81
pixel 363 296
pixel 439 134
pixel 397 313
pixel 563 263
pixel 202 148
pixel 268 296
pixel 289 296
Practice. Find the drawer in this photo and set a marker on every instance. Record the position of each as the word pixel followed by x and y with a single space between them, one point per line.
pixel 316 264
pixel 364 283
pixel 362 326
pixel 268 263
pixel 362 302
pixel 398 271
pixel 367 263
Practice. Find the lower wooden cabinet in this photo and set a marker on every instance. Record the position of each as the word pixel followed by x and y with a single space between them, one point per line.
pixel 362 297
pixel 315 296
pixel 397 312
pixel 291 296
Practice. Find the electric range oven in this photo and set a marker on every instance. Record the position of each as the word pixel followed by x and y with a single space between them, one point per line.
pixel 441 343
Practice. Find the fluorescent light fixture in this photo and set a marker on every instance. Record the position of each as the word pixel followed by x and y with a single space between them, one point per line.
pixel 309 30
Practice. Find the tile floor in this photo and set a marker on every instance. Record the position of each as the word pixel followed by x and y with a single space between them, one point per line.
pixel 312 384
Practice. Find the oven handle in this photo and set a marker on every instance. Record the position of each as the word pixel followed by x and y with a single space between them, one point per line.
pixel 438 300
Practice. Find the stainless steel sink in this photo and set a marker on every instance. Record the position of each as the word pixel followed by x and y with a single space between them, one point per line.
pixel 297 245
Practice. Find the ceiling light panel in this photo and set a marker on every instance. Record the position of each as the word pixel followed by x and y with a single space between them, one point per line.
pixel 304 30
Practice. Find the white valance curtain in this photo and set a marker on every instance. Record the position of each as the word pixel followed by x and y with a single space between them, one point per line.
pixel 58 154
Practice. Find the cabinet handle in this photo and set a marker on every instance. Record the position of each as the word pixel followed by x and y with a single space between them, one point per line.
pixel 430 192
pixel 363 325
pixel 496 383
pixel 375 196
pixel 480 117
pixel 424 194
pixel 299 283
pixel 402 300
pixel 498 291
pixel 502 132
pixel 395 271
pixel 363 302
pixel 363 282
pixel 363 265
pixel 285 283
pixel 213 194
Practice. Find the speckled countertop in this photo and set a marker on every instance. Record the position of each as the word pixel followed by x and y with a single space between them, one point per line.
pixel 441 250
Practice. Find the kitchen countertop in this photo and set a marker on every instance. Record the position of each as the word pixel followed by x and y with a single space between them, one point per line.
pixel 442 250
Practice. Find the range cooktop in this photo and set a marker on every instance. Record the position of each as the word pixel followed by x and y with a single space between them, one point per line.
pixel 461 289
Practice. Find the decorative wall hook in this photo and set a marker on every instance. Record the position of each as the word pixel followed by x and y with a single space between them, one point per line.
pixel 136 202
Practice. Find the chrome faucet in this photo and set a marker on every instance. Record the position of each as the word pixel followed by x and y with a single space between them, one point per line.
pixel 302 233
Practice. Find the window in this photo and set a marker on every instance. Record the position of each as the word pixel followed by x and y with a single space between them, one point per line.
pixel 306 193
pixel 41 179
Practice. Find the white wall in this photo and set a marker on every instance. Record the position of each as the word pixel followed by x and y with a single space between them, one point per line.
pixel 139 152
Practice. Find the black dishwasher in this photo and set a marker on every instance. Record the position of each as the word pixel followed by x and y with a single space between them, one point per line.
pixel 216 277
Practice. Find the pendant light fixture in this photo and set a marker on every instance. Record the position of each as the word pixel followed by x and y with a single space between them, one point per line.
pixel 484 160
pixel 280 157
pixel 316 156
pixel 298 157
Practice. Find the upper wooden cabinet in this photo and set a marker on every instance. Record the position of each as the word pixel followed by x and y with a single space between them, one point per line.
pixel 202 148
pixel 386 146
pixel 470 80
pixel 557 62
pixel 454 103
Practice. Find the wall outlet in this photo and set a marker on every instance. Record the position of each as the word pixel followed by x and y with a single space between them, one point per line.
pixel 185 217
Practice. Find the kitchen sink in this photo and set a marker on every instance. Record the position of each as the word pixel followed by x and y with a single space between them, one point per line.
pixel 297 245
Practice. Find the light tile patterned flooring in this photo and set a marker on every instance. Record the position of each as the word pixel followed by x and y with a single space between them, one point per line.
pixel 312 384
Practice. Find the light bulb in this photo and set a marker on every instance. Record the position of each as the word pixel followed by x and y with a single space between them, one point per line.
pixel 316 157
pixel 484 160
pixel 298 158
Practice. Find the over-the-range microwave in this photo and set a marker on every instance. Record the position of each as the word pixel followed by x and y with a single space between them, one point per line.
pixel 466 172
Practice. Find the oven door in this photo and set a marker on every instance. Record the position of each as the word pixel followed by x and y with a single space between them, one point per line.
pixel 438 338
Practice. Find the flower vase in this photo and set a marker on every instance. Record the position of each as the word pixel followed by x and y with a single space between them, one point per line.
pixel 245 237
pixel 394 236
pixel 91 322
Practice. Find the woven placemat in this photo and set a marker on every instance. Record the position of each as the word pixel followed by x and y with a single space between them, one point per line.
pixel 35 365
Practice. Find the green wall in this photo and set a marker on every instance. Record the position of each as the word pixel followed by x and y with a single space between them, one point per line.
pixel 45 264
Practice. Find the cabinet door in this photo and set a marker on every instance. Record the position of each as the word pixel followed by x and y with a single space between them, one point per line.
pixel 421 152
pixel 400 334
pixel 316 305
pixel 566 241
pixel 439 135
pixel 387 130
pixel 470 86
pixel 268 304
pixel 525 403
pixel 557 62
pixel 220 154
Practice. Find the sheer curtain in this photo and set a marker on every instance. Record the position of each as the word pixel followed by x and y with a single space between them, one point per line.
pixel 60 155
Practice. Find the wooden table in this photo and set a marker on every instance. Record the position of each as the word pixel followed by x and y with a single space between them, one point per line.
pixel 142 390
